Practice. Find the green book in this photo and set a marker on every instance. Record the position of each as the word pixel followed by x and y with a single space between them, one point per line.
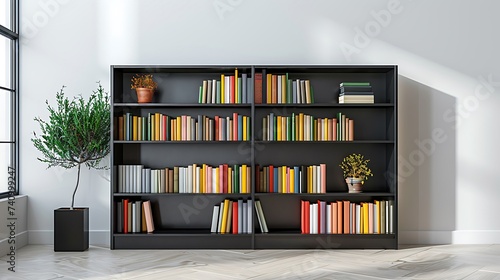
pixel 351 84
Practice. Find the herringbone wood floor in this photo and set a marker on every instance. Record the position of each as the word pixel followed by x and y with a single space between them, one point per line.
pixel 414 262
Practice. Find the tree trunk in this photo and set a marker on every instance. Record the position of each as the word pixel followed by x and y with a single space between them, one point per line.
pixel 76 188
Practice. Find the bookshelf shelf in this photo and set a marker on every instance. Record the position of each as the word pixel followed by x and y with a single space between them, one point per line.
pixel 184 220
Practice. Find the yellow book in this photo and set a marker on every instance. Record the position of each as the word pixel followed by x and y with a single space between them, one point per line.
pixel 309 179
pixel 269 88
pixel 292 180
pixel 365 217
pixel 278 124
pixel 326 130
pixel 230 180
pixel 301 126
pixel 224 215
pixel 361 218
pixel 157 126
pixel 243 176
pixel 222 89
pixel 308 92
pixel 134 128
pixel 283 179
pixel 178 128
pixel 152 126
pixel 236 93
pixel 203 186
pixel 245 128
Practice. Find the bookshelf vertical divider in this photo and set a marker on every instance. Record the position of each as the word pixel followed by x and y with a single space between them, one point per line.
pixel 183 219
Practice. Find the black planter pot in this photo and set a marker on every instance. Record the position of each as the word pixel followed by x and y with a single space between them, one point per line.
pixel 71 229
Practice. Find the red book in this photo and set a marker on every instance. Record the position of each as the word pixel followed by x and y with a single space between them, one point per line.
pixel 231 90
pixel 217 138
pixel 224 178
pixel 258 88
pixel 302 222
pixel 307 216
pixel 235 217
pixel 125 216
pixel 271 178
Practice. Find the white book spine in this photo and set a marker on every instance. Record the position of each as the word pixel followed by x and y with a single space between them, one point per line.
pixel 215 218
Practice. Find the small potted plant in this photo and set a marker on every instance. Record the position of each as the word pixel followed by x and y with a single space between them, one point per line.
pixel 144 86
pixel 356 171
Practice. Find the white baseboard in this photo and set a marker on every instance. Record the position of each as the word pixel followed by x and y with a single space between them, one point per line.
pixel 46 237
pixel 450 237
pixel 21 240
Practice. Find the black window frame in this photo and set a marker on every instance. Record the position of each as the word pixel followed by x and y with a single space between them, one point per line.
pixel 12 34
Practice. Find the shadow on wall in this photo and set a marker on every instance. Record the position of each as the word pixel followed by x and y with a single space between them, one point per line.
pixel 426 165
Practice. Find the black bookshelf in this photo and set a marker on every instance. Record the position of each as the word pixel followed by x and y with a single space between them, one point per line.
pixel 182 220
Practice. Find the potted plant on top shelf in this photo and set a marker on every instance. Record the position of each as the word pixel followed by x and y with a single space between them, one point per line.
pixel 356 172
pixel 76 133
pixel 144 86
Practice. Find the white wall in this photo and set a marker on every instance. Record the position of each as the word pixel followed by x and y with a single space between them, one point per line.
pixel 446 52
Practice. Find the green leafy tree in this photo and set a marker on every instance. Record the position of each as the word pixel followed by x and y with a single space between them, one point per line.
pixel 76 133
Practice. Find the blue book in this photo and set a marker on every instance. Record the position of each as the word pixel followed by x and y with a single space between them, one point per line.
pixel 244 95
pixel 296 179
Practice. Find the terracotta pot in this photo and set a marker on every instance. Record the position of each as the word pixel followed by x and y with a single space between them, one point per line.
pixel 144 95
pixel 355 185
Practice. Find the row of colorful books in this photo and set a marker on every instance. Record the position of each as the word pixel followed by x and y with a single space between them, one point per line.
pixel 160 127
pixel 356 92
pixel 291 179
pixel 232 216
pixel 195 178
pixel 346 217
pixel 279 89
pixel 303 127
pixel 230 89
pixel 134 216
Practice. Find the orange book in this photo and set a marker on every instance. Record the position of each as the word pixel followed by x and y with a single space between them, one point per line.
pixel 229 176
pixel 346 216
pixel 235 126
pixel 269 95
pixel 292 181
pixel 157 126
pixel 323 177
pixel 278 127
pixel 125 215
pixel 334 217
pixel 257 88
pixel 340 213
pixel 351 130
